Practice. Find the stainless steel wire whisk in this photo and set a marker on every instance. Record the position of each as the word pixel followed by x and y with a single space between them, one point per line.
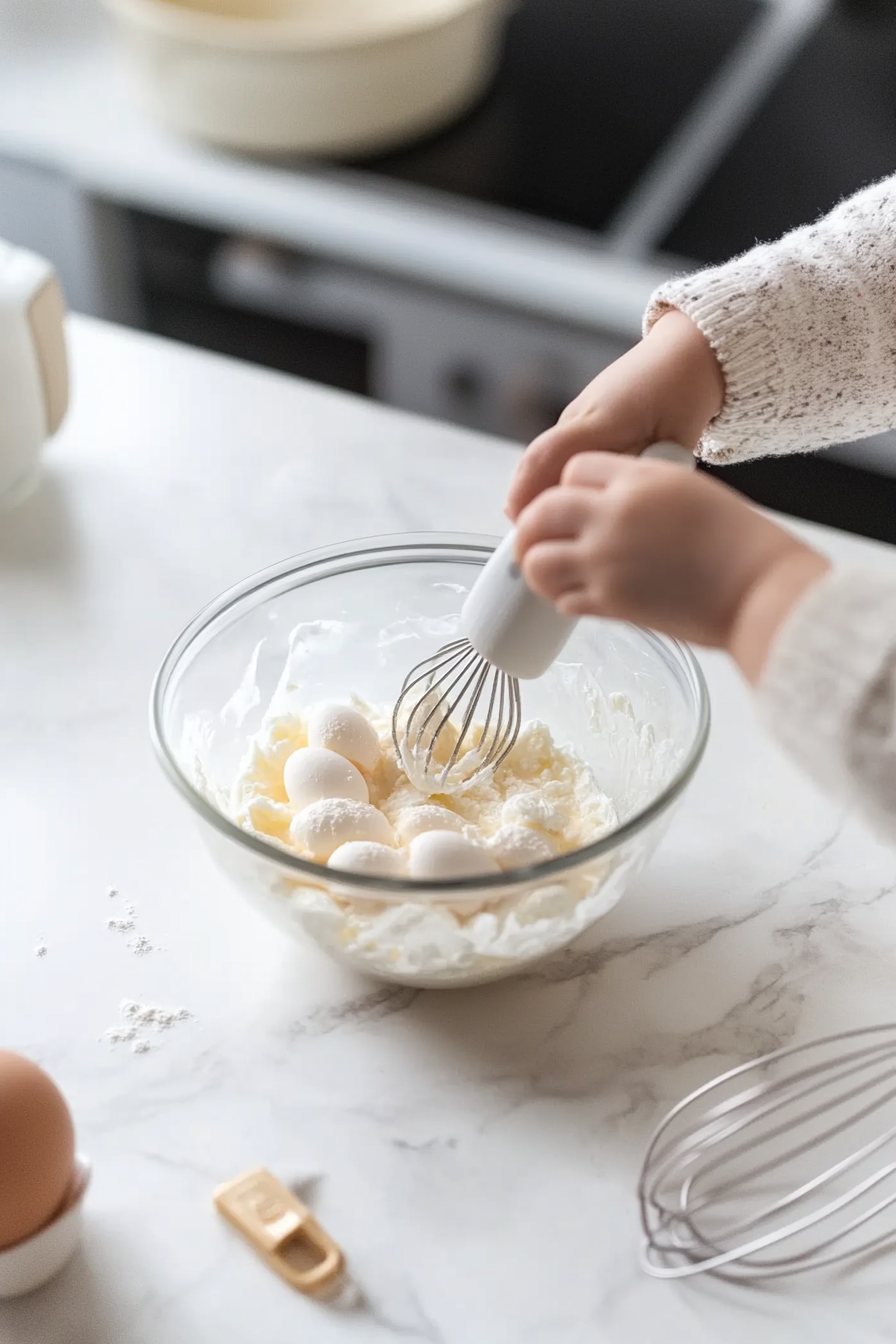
pixel 465 680
pixel 781 1166
pixel 458 714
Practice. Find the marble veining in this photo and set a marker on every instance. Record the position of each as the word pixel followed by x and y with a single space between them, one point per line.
pixel 475 1152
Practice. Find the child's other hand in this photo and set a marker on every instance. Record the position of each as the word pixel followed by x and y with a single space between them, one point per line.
pixel 644 541
pixel 668 387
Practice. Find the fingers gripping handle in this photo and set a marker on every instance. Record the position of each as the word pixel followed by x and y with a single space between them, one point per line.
pixel 510 626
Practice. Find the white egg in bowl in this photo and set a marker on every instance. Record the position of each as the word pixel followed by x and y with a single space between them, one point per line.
pixel 443 891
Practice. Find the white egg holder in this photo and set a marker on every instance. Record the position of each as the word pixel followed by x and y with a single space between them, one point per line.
pixel 33 1262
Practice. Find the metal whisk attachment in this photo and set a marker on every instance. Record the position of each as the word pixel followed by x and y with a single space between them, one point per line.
pixel 777 1167
pixel 452 685
pixel 458 713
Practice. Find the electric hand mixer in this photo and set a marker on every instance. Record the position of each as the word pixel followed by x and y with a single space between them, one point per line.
pixel 458 714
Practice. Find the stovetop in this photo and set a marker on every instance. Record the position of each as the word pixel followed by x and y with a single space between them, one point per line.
pixel 588 92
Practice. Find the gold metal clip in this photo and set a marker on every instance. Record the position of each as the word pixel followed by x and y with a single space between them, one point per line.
pixel 282 1230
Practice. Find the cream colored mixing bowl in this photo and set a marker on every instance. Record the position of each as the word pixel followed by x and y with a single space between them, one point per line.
pixel 330 77
pixel 353 619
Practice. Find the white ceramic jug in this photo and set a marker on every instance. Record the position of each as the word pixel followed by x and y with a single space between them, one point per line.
pixel 33 367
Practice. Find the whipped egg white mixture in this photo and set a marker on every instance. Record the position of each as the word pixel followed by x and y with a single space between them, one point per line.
pixel 328 786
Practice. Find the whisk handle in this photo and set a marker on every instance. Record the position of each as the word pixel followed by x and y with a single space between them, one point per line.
pixel 513 628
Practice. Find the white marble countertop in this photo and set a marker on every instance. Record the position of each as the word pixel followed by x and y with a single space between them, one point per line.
pixel 475 1152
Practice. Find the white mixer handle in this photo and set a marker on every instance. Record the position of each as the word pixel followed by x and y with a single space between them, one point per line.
pixel 667 451
pixel 513 628
pixel 507 624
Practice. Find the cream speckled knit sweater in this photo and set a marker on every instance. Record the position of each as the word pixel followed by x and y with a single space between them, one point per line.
pixel 805 332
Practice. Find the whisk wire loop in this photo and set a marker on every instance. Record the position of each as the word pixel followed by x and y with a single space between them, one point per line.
pixel 708 1130
pixel 479 676
pixel 691 1149
pixel 782 1176
pixel 464 670
pixel 437 709
pixel 791 1154
pixel 776 1268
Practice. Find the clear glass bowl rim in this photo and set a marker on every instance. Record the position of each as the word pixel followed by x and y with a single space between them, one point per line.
pixel 373 552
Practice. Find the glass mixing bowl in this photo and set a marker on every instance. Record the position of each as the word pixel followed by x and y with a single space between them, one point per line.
pixel 353 619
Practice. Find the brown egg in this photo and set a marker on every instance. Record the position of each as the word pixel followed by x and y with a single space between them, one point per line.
pixel 37 1148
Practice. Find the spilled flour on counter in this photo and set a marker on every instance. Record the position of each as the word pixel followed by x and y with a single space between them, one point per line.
pixel 138 1019
pixel 140 945
pixel 126 925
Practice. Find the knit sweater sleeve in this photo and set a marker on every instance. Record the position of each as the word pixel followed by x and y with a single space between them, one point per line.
pixel 804 330
pixel 828 691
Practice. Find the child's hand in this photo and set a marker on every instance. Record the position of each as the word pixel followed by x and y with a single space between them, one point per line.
pixel 644 541
pixel 668 387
